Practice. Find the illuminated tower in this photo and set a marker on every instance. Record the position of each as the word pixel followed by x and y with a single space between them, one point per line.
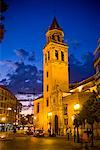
pixel 55 67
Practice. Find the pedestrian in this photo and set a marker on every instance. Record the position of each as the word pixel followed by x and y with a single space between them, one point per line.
pixel 85 139
pixel 14 130
pixel 68 133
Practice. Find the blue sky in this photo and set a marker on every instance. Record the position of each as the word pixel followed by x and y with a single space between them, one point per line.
pixel 26 22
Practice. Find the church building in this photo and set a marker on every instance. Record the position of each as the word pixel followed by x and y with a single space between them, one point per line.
pixel 54 110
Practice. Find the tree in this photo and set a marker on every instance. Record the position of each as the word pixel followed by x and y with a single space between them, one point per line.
pixel 90 112
pixel 3 8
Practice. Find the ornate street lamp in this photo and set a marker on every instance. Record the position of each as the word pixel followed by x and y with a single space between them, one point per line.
pixel 76 122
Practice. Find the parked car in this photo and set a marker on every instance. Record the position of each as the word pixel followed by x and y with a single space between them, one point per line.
pixel 38 133
pixel 6 135
pixel 29 132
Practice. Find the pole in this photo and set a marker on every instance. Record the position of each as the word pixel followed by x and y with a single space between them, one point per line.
pixel 77 135
pixel 74 134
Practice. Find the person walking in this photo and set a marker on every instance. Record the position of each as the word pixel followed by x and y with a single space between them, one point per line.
pixel 85 140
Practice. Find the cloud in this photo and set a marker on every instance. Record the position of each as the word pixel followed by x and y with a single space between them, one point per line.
pixel 9 63
pixel 79 71
pixel 32 56
pixel 21 53
pixel 27 78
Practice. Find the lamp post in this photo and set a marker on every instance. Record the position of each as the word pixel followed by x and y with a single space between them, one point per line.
pixel 50 115
pixel 3 120
pixel 76 122
pixel 34 122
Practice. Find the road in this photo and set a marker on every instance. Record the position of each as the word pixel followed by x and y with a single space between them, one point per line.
pixel 34 143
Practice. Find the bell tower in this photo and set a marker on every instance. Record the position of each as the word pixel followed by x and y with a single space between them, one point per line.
pixel 55 69
pixel 55 56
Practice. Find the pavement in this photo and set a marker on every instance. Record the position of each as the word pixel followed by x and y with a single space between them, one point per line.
pixel 24 142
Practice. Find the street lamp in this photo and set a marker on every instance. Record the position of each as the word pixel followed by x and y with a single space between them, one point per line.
pixel 3 119
pixel 50 115
pixel 76 107
pixel 76 122
pixel 34 122
pixel 9 108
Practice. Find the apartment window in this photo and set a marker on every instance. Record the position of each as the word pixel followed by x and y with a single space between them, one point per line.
pixel 48 55
pixel 56 54
pixel 47 102
pixel 47 74
pixel 38 108
pixel 45 58
pixel 62 56
pixel 47 87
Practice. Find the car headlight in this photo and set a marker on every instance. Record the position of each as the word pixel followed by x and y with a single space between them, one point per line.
pixel 2 136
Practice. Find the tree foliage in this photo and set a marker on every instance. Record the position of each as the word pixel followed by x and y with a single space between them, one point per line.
pixel 90 110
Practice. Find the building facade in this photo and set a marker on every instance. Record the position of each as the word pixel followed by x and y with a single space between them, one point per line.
pixel 55 79
pixel 54 111
pixel 97 66
pixel 9 108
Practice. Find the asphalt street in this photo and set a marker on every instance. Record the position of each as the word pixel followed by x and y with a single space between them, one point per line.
pixel 42 143
pixel 34 143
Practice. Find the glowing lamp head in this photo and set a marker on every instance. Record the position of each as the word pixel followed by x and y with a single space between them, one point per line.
pixel 3 119
pixel 76 106
pixel 35 118
pixel 9 108
pixel 49 114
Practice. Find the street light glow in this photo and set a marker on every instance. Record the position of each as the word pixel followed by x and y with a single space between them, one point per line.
pixel 8 108
pixel 76 106
pixel 35 118
pixel 3 119
pixel 50 114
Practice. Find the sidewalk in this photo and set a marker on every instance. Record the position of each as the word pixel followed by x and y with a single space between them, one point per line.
pixel 80 146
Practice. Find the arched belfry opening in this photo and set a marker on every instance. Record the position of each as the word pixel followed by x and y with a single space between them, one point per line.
pixel 55 32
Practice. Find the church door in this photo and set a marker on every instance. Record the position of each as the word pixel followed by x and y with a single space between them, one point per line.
pixel 56 124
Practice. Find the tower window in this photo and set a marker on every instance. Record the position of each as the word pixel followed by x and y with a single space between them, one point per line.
pixel 62 56
pixel 56 54
pixel 45 58
pixel 38 108
pixel 48 55
pixel 58 38
pixel 53 37
pixel 47 87
pixel 47 74
pixel 47 102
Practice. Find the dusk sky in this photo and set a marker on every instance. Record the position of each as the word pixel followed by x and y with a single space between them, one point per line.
pixel 26 22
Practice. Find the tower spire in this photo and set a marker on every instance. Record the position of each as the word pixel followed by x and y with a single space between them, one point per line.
pixel 54 24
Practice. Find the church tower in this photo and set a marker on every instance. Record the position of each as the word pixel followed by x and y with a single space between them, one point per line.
pixel 55 74
pixel 55 56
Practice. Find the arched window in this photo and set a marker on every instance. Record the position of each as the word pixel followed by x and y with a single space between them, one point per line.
pixel 53 37
pixel 38 108
pixel 62 56
pixel 48 55
pixel 45 58
pixel 47 74
pixel 58 38
pixel 47 102
pixel 56 54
